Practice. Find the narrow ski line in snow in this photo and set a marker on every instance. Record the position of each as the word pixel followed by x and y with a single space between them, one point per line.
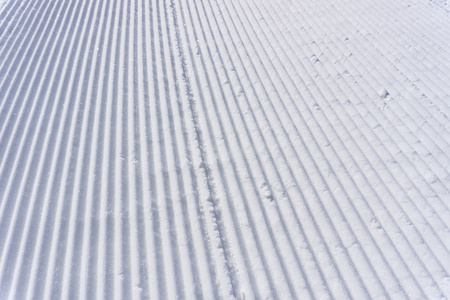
pixel 212 200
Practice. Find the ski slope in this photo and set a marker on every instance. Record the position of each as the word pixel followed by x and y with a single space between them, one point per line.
pixel 253 149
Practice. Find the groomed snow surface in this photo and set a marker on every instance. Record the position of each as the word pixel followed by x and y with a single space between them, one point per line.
pixel 225 149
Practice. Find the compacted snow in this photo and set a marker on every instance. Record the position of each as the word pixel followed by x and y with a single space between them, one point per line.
pixel 246 149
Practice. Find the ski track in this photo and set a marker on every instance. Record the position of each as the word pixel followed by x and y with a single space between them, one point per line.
pixel 224 149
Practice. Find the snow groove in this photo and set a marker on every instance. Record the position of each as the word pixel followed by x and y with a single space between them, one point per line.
pixel 224 149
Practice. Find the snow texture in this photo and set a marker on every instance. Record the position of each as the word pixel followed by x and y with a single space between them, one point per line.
pixel 252 149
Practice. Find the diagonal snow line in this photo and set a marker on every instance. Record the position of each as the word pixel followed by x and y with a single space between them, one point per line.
pixel 422 110
pixel 258 158
pixel 9 11
pixel 113 288
pixel 372 80
pixel 393 64
pixel 99 193
pixel 20 61
pixel 209 200
pixel 13 215
pixel 8 32
pixel 27 128
pixel 167 143
pixel 46 203
pixel 151 140
pixel 148 170
pixel 23 31
pixel 417 36
pixel 121 283
pixel 81 206
pixel 140 288
pixel 104 282
pixel 266 116
pixel 302 168
pixel 90 231
pixel 244 95
pixel 215 117
pixel 16 127
pixel 186 97
pixel 246 162
pixel 24 184
pixel 173 163
pixel 168 256
pixel 190 271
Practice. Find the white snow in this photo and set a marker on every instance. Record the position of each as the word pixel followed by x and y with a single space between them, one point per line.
pixel 248 149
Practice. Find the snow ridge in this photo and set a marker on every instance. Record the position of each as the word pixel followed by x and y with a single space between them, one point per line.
pixel 224 149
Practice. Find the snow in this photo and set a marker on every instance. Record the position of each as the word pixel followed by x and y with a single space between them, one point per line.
pixel 224 149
